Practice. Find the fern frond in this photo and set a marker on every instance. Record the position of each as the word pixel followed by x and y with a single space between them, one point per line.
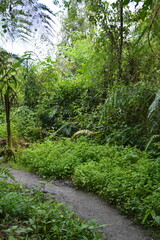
pixel 45 8
pixel 84 132
pixel 26 14
pixel 5 174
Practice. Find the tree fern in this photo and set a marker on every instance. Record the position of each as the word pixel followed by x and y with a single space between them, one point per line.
pixel 22 18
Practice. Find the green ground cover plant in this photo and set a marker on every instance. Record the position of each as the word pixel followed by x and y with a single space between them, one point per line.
pixel 29 214
pixel 104 77
pixel 124 176
pixel 58 159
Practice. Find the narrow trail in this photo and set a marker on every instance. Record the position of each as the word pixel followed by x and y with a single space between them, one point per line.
pixel 87 206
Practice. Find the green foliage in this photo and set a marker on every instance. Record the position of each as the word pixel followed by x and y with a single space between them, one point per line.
pixel 57 107
pixel 26 124
pixel 52 159
pixel 81 89
pixel 124 117
pixel 9 65
pixel 2 130
pixel 133 187
pixel 32 88
pixel 124 176
pixel 29 215
pixel 76 93
pixel 8 80
pixel 4 175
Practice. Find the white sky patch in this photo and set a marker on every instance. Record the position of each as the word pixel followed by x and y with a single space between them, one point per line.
pixel 132 5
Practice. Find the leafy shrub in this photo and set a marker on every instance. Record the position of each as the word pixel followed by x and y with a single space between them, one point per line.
pixel 29 215
pixel 58 159
pixel 27 124
pixel 124 115
pixel 2 130
pixel 134 188
pixel 35 218
pixel 124 176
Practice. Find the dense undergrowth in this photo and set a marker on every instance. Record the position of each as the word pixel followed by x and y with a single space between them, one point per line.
pixel 124 176
pixel 29 214
pixel 105 78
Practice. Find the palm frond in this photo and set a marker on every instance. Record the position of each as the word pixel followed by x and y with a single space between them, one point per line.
pixel 151 141
pixel 155 105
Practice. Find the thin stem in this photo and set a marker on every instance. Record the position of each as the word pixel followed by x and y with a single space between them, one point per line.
pixel 121 40
pixel 7 110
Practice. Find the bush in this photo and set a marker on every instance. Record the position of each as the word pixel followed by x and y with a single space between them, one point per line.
pixel 28 214
pixel 133 188
pixel 27 124
pixel 2 130
pixel 124 176
pixel 124 115
pixel 58 159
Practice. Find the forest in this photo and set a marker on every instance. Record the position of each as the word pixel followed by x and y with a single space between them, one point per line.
pixel 88 112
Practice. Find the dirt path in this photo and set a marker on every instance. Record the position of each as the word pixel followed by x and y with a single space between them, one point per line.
pixel 88 207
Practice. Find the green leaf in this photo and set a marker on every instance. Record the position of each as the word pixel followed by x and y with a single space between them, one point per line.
pixel 126 2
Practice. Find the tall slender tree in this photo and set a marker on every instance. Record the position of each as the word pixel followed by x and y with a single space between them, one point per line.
pixel 121 40
pixel 9 65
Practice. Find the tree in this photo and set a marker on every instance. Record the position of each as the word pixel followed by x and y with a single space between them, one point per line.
pixel 9 65
pixel 121 40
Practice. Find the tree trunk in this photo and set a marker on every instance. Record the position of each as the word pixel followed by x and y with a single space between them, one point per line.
pixel 121 41
pixel 7 110
pixel 8 153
